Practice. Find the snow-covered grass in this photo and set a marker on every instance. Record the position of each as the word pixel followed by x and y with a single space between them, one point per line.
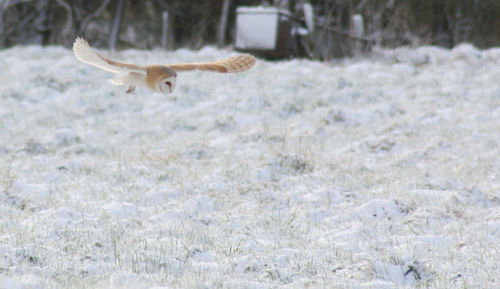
pixel 379 172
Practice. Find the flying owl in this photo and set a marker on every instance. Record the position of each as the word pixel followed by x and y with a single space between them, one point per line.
pixel 159 78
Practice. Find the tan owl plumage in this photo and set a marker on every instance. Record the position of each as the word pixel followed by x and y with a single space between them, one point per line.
pixel 159 78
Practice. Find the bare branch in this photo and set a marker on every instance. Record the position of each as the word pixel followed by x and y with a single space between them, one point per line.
pixel 96 13
pixel 9 3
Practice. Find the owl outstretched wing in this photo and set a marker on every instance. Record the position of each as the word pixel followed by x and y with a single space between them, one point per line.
pixel 233 64
pixel 86 54
pixel 159 78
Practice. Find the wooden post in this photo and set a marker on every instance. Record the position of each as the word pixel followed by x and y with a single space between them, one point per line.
pixel 164 29
pixel 221 32
pixel 357 33
pixel 357 26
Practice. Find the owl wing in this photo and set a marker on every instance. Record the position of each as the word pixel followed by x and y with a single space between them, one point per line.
pixel 233 64
pixel 86 54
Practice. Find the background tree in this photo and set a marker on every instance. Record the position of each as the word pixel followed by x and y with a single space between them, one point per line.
pixel 194 24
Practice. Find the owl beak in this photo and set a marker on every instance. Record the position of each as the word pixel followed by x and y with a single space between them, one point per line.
pixel 171 85
pixel 168 90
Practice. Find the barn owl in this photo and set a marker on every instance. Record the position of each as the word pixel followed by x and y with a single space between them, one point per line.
pixel 159 78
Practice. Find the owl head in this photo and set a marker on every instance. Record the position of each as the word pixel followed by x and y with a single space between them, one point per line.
pixel 161 78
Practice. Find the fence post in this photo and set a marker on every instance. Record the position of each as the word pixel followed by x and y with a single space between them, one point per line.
pixel 164 29
pixel 357 32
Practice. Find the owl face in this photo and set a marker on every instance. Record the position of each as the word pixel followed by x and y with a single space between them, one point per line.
pixel 160 78
pixel 166 85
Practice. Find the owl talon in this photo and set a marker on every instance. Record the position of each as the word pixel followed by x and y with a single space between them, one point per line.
pixel 131 89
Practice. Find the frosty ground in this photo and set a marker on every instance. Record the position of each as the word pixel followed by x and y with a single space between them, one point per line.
pixel 376 172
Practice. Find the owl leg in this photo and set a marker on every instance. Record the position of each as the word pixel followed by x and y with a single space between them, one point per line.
pixel 131 89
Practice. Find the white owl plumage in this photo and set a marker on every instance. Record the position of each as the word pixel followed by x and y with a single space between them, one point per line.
pixel 159 78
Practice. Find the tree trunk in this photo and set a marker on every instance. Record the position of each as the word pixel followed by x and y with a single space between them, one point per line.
pixel 43 21
pixel 2 29
pixel 69 22
pixel 115 30
pixel 221 32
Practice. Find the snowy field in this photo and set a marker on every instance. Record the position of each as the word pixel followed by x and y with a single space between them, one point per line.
pixel 378 172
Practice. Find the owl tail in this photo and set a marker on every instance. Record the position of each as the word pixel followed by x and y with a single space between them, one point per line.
pixel 132 78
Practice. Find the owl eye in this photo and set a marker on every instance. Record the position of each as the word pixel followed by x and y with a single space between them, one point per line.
pixel 169 84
